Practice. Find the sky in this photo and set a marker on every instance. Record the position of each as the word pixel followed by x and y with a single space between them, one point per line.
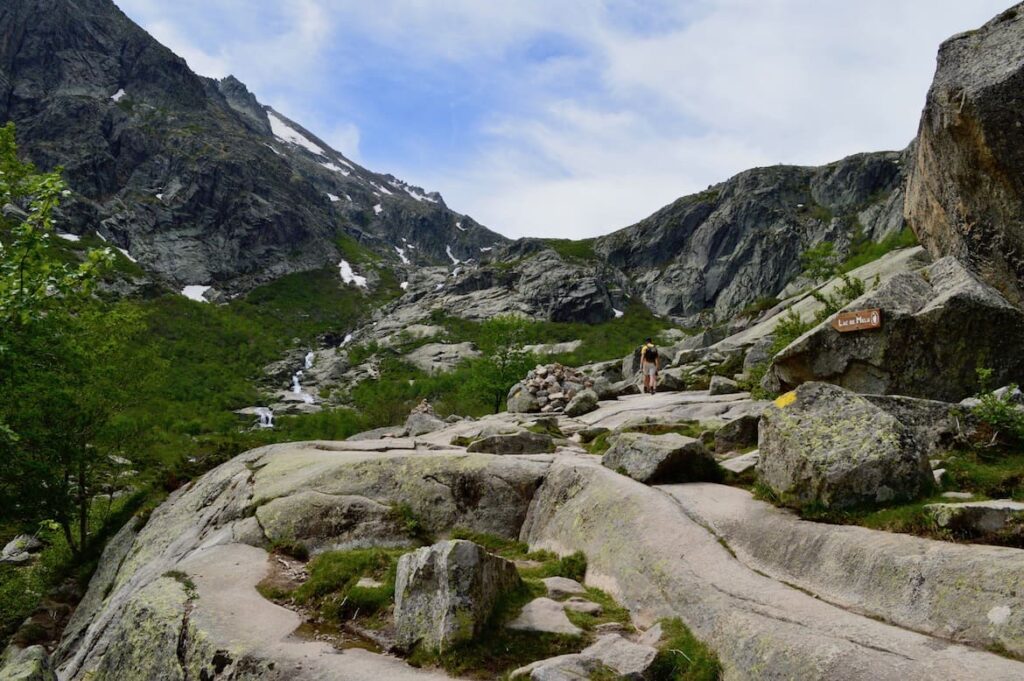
pixel 573 118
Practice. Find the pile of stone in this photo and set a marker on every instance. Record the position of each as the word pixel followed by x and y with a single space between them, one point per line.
pixel 547 388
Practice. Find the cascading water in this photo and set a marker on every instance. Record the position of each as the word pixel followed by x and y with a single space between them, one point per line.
pixel 266 415
pixel 309 359
pixel 297 388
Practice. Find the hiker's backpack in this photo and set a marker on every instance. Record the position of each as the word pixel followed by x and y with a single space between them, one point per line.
pixel 650 353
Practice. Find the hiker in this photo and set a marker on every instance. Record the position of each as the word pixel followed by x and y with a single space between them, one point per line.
pixel 649 365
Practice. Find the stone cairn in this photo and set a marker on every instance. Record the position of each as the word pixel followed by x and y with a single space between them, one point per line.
pixel 551 387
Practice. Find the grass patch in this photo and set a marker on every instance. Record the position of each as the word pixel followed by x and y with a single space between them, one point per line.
pixel 758 306
pixel 333 577
pixel 572 249
pixel 864 251
pixel 682 657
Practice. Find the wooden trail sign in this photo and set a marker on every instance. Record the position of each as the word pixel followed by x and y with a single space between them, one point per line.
pixel 858 320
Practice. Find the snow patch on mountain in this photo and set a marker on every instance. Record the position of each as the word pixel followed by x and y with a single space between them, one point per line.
pixel 349 276
pixel 286 133
pixel 196 293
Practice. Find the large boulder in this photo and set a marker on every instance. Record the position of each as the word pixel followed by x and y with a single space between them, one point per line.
pixel 655 459
pixel 939 325
pixel 26 664
pixel 965 193
pixel 828 446
pixel 739 433
pixel 584 402
pixel 980 518
pixel 422 420
pixel 444 593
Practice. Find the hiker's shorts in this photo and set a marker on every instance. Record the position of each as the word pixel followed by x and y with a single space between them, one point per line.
pixel 650 370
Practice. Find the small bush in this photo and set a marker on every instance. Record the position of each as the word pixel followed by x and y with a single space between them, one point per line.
pixel 999 412
pixel 573 566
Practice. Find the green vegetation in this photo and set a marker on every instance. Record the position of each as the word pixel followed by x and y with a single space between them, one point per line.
pixel 332 588
pixel 819 262
pixel 682 657
pixel 999 413
pixel 864 251
pixel 572 249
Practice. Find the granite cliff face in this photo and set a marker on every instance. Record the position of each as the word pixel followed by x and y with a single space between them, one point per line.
pixel 194 177
pixel 706 256
pixel 966 190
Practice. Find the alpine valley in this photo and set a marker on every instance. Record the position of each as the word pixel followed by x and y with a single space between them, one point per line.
pixel 269 414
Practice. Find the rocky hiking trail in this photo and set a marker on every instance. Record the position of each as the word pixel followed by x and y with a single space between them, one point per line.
pixel 774 596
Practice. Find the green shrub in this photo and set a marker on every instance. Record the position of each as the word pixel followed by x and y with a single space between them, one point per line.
pixel 999 412
pixel 573 566
pixel 570 249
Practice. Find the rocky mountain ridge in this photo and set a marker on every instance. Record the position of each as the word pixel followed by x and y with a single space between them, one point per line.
pixel 206 187
pixel 192 177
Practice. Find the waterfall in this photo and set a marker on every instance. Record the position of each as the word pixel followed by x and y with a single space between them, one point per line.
pixel 266 417
pixel 309 359
pixel 297 388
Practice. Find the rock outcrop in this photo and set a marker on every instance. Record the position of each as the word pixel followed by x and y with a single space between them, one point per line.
pixel 657 559
pixel 444 593
pixel 653 459
pixel 965 193
pixel 706 256
pixel 828 446
pixel 938 326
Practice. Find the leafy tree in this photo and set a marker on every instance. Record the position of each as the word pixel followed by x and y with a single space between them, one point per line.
pixel 77 432
pixel 504 361
pixel 820 262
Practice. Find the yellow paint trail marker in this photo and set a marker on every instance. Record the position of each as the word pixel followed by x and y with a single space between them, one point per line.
pixel 783 401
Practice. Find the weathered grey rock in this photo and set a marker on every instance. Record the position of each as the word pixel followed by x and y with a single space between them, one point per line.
pixel 657 459
pixel 520 442
pixel 759 353
pixel 584 402
pixel 572 667
pixel 720 385
pixel 560 587
pixel 20 549
pixel 946 589
pixel 939 326
pixel 937 426
pixel 658 559
pixel 444 593
pixel 522 401
pixel 964 194
pixel 440 357
pixel 704 257
pixel 979 518
pixel 742 463
pixel 739 433
pixel 629 386
pixel 582 605
pixel 330 522
pixel 26 664
pixel 588 434
pixel 423 420
pixel 829 446
pixel 630 660
pixel 546 616
pixel 671 379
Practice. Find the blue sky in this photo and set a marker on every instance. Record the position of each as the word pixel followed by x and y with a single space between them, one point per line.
pixel 573 118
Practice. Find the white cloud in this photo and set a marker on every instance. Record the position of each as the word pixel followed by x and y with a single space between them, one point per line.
pixel 650 100
pixel 344 137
